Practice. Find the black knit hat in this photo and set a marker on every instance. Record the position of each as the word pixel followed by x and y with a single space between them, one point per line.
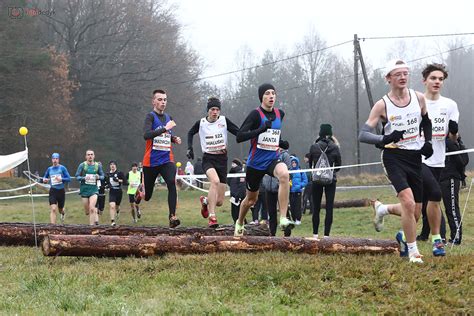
pixel 213 103
pixel 325 130
pixel 264 87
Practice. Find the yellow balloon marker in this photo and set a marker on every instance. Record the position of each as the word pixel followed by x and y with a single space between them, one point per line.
pixel 178 164
pixel 23 131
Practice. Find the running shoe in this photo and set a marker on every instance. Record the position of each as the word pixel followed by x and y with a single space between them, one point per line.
pixel 174 221
pixel 63 216
pixel 139 213
pixel 402 243
pixel 416 258
pixel 213 221
pixel 286 223
pixel 135 220
pixel 297 223
pixel 204 210
pixel 378 218
pixel 438 248
pixel 113 223
pixel 239 229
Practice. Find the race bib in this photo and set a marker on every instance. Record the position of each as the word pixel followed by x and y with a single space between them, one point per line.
pixel 134 184
pixel 91 179
pixel 411 125
pixel 269 140
pixel 215 142
pixel 162 142
pixel 56 179
pixel 439 122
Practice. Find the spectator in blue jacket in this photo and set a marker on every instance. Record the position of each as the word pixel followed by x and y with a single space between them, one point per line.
pixel 298 182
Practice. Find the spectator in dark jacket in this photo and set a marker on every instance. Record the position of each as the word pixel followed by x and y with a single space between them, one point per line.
pixel 450 179
pixel 298 183
pixel 237 188
pixel 328 144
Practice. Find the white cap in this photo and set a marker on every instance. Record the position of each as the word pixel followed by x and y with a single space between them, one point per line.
pixel 394 64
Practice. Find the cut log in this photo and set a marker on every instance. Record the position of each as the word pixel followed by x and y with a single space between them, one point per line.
pixel 22 234
pixel 349 203
pixel 144 246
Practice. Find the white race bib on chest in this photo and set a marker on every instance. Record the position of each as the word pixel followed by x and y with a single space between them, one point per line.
pixel 91 179
pixel 162 142
pixel 56 179
pixel 269 140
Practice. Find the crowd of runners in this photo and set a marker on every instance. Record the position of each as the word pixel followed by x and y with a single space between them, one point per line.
pixel 418 129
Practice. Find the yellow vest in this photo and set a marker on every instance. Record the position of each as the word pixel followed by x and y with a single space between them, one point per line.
pixel 134 179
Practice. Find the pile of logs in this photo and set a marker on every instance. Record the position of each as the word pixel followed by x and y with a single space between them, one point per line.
pixel 122 241
pixel 23 234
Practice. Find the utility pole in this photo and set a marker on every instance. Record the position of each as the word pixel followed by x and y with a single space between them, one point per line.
pixel 356 97
pixel 359 58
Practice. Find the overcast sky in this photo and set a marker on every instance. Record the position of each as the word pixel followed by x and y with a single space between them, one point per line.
pixel 217 29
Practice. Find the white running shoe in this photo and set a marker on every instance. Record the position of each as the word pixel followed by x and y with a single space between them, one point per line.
pixel 378 218
pixel 297 223
pixel 416 258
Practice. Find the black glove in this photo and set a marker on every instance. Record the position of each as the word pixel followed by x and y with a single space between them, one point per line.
pixel 453 127
pixel 284 144
pixel 394 137
pixel 427 150
pixel 190 153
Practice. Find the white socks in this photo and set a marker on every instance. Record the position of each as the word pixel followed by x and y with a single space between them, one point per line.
pixel 412 249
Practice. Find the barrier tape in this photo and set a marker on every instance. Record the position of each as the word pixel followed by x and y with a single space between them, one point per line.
pixel 186 178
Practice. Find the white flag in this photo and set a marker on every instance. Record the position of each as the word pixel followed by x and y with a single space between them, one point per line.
pixel 8 162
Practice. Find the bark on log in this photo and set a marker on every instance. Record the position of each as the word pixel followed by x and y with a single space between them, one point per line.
pixel 22 234
pixel 144 246
pixel 349 203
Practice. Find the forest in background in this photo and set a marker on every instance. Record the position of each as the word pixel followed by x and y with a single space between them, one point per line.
pixel 82 78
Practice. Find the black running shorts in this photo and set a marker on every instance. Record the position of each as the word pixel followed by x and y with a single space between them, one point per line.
pixel 403 169
pixel 57 196
pixel 218 162
pixel 115 196
pixel 253 177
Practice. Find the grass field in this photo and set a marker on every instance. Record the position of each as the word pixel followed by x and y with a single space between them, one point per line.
pixel 264 283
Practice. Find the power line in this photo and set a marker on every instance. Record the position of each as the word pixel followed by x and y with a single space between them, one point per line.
pixel 261 65
pixel 433 55
pixel 311 52
pixel 350 76
pixel 413 36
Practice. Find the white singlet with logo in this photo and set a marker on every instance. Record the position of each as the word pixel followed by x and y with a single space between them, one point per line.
pixel 407 118
pixel 269 140
pixel 162 142
pixel 440 112
pixel 213 135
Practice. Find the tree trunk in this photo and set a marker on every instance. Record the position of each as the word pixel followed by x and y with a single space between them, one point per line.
pixel 22 234
pixel 349 203
pixel 144 246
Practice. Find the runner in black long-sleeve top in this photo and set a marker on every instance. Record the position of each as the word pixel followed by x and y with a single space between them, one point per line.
pixel 212 131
